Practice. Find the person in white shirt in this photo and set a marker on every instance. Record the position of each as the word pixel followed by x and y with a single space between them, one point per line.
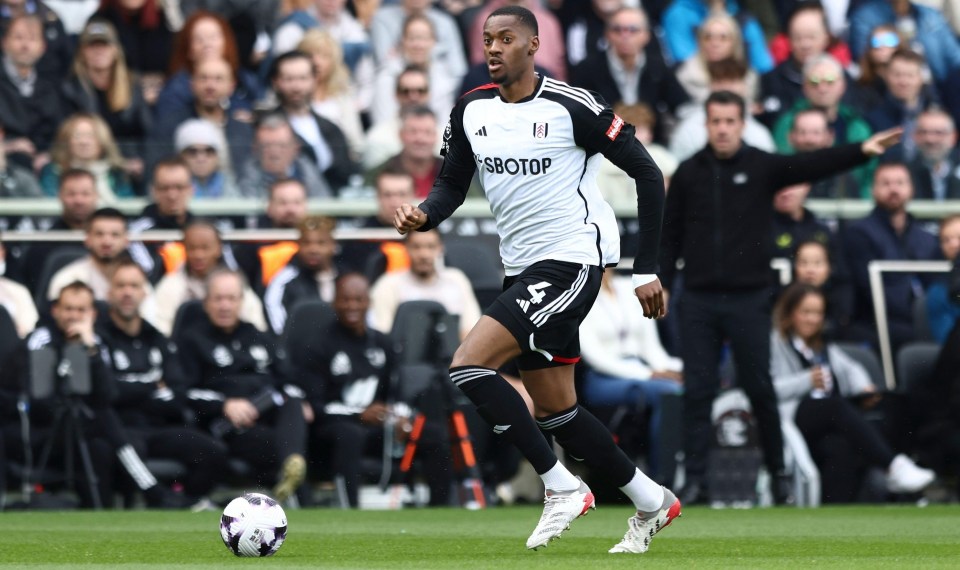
pixel 426 279
pixel 16 300
pixel 627 363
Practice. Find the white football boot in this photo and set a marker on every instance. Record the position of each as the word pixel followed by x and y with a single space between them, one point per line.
pixel 643 526
pixel 560 508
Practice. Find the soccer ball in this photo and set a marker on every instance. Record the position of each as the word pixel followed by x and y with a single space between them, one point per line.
pixel 253 525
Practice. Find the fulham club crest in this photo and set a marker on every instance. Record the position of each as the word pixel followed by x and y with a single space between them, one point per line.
pixel 540 130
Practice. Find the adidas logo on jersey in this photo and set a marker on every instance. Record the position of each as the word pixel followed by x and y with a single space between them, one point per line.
pixel 524 304
pixel 482 132
pixel 498 429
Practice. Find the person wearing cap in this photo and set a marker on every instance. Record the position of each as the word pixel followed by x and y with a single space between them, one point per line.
pixel 100 82
pixel 200 143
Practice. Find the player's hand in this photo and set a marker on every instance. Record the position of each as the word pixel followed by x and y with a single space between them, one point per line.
pixel 375 414
pixel 880 142
pixel 652 299
pixel 240 412
pixel 409 218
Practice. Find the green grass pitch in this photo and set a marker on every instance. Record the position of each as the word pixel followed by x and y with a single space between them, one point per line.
pixel 840 537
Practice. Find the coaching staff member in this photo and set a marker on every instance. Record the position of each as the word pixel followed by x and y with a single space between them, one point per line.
pixel 718 219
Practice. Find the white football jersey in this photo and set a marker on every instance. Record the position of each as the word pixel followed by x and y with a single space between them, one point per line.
pixel 537 161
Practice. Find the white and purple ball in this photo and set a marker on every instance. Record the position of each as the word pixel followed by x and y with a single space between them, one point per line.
pixel 253 525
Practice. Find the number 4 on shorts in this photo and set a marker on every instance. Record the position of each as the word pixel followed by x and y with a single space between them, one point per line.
pixel 536 295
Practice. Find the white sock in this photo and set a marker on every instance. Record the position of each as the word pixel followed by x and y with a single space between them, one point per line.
pixel 646 494
pixel 558 478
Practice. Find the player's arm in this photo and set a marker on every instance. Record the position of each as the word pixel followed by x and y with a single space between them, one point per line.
pixel 451 186
pixel 610 135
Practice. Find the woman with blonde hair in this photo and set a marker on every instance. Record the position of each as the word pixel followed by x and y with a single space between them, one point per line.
pixel 84 141
pixel 334 97
pixel 718 38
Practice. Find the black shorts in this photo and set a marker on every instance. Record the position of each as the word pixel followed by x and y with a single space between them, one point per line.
pixel 543 308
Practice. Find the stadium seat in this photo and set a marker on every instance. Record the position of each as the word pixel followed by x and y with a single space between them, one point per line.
pixel 188 314
pixel 480 263
pixel 300 332
pixel 868 359
pixel 424 332
pixel 921 320
pixel 915 362
pixel 58 259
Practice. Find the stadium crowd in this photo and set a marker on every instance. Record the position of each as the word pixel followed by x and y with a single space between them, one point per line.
pixel 186 348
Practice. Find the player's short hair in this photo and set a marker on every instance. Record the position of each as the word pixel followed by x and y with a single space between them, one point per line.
pixel 811 111
pixel 203 223
pixel 726 98
pixel 75 285
pixel 728 69
pixel 323 224
pixel 638 114
pixel 74 173
pixel 282 182
pixel 523 15
pixel 292 55
pixel 106 214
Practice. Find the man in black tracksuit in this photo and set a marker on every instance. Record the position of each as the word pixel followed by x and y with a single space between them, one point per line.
pixel 235 381
pixel 347 383
pixel 718 219
pixel 150 393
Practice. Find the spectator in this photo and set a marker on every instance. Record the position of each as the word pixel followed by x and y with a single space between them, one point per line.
pixel 15 180
pixel 101 83
pixel 16 300
pixel 418 137
pixel 203 248
pixel 811 131
pixel 78 200
pixel 286 205
pixel 935 169
pixel 873 63
pixel 426 279
pixel 627 364
pixel 171 191
pixel 718 39
pixel 585 26
pixel 234 380
pixel 146 35
pixel 294 80
pixel 907 96
pixel 204 36
pixel 29 103
pixel 727 275
pixel 334 97
pixel 151 397
pixel 615 185
pixel 691 134
pixel 212 85
pixel 418 47
pixel 373 257
pixel 348 385
pixel 383 139
pixel 920 27
pixel 683 17
pixel 55 63
pixel 201 146
pixel 106 242
pixel 310 274
pixel 943 312
pixel 84 141
pixel 277 156
pixel 551 53
pixel 813 379
pixel 73 315
pixel 813 264
pixel 889 233
pixel 388 25
pixel 823 88
pixel 794 224
pixel 625 74
pixel 809 38
pixel 780 45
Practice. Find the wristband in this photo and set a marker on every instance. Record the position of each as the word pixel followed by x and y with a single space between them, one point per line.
pixel 643 279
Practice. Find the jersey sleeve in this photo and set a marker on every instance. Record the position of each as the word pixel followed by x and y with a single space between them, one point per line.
pixel 450 188
pixel 609 135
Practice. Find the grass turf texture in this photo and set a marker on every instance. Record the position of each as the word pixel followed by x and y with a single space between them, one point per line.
pixel 839 537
